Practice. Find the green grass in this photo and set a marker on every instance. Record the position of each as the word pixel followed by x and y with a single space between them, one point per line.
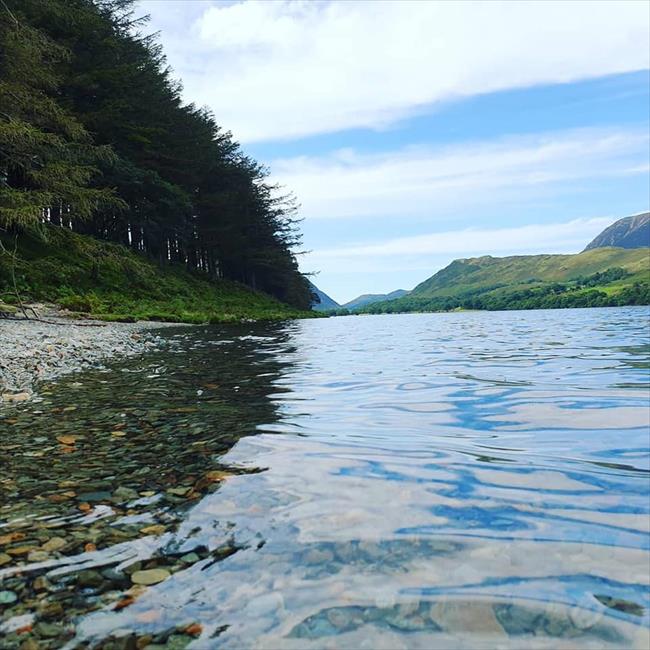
pixel 110 282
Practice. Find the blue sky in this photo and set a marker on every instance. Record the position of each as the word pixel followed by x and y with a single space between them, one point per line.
pixel 414 133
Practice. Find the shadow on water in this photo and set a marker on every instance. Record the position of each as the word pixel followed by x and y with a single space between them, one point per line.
pixel 417 481
pixel 99 471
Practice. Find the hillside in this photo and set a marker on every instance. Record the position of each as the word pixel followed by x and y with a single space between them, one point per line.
pixel 325 303
pixel 110 282
pixel 629 232
pixel 598 277
pixel 370 298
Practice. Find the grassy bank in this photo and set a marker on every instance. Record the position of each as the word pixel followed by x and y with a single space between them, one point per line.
pixel 109 282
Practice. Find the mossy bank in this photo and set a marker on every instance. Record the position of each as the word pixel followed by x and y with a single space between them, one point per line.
pixel 109 282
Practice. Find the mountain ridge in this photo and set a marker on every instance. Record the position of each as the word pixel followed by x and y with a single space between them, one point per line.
pixel 628 232
pixel 600 275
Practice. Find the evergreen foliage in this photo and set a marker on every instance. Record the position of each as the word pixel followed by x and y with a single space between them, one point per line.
pixel 94 137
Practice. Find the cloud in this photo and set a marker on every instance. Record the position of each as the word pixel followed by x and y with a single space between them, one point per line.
pixel 381 266
pixel 553 237
pixel 427 182
pixel 274 70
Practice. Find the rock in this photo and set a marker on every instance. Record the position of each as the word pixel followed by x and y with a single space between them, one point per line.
pixel 7 597
pixel 4 558
pixel 177 642
pixel 52 610
pixel 16 397
pixel 179 491
pixel 117 577
pixel 89 578
pixel 150 576
pixel 54 544
pixel 48 630
pixel 38 556
pixel 155 529
pixel 41 583
pixel 462 616
pixel 339 618
pixel 125 494
pixel 217 475
pixel 11 537
pixel 190 558
pixel 17 551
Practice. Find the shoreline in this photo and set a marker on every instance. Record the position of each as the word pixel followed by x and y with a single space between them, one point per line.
pixel 32 351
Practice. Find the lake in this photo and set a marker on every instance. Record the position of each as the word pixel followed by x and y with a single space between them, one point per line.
pixel 461 480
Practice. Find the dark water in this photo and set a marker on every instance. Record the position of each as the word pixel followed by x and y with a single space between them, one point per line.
pixel 473 480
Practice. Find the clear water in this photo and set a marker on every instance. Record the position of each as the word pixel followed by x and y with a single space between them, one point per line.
pixel 410 481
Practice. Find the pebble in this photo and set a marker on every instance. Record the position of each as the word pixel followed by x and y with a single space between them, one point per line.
pixel 4 558
pixel 179 491
pixel 38 556
pixel 54 544
pixel 125 494
pixel 7 597
pixel 15 397
pixel 155 529
pixel 150 576
pixel 48 630
pixel 89 578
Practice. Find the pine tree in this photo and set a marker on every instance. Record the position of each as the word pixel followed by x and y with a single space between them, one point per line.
pixel 47 158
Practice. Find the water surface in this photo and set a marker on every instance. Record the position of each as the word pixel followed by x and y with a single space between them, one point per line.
pixel 407 481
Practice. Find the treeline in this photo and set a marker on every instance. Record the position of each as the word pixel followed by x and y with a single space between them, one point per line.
pixel 94 137
pixel 581 292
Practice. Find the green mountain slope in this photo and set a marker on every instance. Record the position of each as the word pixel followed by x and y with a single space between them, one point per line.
pixel 110 282
pixel 596 277
pixel 369 298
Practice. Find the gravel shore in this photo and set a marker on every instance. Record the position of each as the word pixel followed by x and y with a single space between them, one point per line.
pixel 32 350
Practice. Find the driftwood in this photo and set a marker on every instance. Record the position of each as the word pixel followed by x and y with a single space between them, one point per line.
pixel 10 314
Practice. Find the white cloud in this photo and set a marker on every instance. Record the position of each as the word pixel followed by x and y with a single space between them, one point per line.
pixel 406 261
pixel 429 182
pixel 273 70
pixel 566 237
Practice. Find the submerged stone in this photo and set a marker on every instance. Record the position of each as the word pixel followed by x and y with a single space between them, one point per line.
pixel 7 597
pixel 150 576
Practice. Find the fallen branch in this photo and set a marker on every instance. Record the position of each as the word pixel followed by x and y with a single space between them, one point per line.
pixel 23 307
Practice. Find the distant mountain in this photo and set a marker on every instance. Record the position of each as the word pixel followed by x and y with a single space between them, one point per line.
pixel 630 232
pixel 597 277
pixel 324 303
pixel 369 298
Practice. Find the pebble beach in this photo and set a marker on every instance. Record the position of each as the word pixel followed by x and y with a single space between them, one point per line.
pixel 41 350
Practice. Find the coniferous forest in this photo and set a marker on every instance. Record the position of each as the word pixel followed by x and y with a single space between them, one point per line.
pixel 95 138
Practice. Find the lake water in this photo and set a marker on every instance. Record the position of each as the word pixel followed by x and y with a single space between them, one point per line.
pixel 466 480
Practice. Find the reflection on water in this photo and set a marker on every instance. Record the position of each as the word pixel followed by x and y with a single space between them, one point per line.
pixel 447 480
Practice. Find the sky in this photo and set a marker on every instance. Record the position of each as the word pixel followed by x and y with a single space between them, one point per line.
pixel 416 133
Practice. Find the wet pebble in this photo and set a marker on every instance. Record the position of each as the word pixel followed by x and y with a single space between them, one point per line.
pixel 149 576
pixel 7 597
